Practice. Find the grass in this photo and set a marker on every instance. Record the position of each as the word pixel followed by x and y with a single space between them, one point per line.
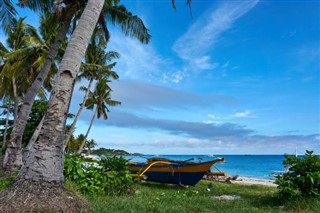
pixel 154 197
pixel 157 198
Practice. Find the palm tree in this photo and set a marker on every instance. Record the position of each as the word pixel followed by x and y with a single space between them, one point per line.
pixel 16 135
pixel 95 67
pixel 22 65
pixel 54 123
pixel 6 104
pixel 18 43
pixel 99 99
pixel 74 143
pixel 131 26
pixel 43 170
pixel 90 145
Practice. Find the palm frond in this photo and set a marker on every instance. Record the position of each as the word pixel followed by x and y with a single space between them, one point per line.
pixel 37 5
pixel 83 88
pixel 3 50
pixel 103 24
pixel 113 103
pixel 112 55
pixel 18 54
pixel 7 15
pixel 32 32
pixel 6 71
pixel 188 2
pixel 173 5
pixel 131 25
pixel 87 68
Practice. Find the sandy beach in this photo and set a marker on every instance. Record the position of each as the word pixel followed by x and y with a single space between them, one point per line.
pixel 254 181
pixel 244 180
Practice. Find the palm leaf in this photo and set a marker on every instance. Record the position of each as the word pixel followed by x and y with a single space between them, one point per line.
pixel 7 15
pixel 18 54
pixel 111 55
pixel 131 25
pixel 37 5
pixel 6 71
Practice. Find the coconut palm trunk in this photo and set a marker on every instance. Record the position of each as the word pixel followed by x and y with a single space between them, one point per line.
pixel 33 139
pixel 16 100
pixel 13 156
pixel 45 160
pixel 87 133
pixel 78 114
pixel 6 125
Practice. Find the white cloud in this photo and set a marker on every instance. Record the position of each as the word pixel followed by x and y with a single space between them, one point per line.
pixel 243 114
pixel 137 61
pixel 174 77
pixel 204 63
pixel 205 32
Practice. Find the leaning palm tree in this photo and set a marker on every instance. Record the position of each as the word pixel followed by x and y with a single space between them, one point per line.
pixel 95 66
pixel 131 26
pixel 55 119
pixel 99 99
pixel 6 105
pixel 22 65
pixel 16 135
pixel 43 170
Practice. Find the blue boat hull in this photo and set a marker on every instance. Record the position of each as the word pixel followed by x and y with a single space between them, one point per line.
pixel 181 178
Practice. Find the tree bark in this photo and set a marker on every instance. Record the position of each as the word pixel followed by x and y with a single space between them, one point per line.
pixel 45 160
pixel 33 139
pixel 87 133
pixel 6 126
pixel 16 100
pixel 13 155
pixel 78 114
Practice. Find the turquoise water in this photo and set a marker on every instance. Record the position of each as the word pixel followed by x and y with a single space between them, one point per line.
pixel 253 166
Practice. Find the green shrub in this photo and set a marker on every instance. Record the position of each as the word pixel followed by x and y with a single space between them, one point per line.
pixel 303 177
pixel 108 175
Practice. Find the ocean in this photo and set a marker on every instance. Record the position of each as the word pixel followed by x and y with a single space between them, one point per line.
pixel 252 166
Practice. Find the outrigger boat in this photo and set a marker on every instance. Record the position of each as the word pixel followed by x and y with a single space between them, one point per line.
pixel 172 171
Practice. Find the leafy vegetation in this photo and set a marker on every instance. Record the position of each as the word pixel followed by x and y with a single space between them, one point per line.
pixel 303 177
pixel 104 151
pixel 106 176
pixel 154 197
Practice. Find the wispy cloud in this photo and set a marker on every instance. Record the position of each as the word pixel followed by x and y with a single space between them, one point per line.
pixel 169 136
pixel 218 117
pixel 137 61
pixel 142 95
pixel 193 46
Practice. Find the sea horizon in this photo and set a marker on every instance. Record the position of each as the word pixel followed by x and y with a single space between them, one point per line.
pixel 245 165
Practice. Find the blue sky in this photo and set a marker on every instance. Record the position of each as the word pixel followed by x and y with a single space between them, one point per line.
pixel 239 77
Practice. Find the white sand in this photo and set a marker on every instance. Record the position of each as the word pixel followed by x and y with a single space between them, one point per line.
pixel 254 181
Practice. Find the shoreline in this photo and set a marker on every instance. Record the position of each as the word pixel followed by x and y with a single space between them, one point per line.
pixel 242 180
pixel 254 181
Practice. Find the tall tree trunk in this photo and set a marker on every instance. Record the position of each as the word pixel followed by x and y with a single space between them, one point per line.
pixel 6 125
pixel 78 114
pixel 13 156
pixel 13 150
pixel 45 161
pixel 33 139
pixel 87 133
pixel 16 100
